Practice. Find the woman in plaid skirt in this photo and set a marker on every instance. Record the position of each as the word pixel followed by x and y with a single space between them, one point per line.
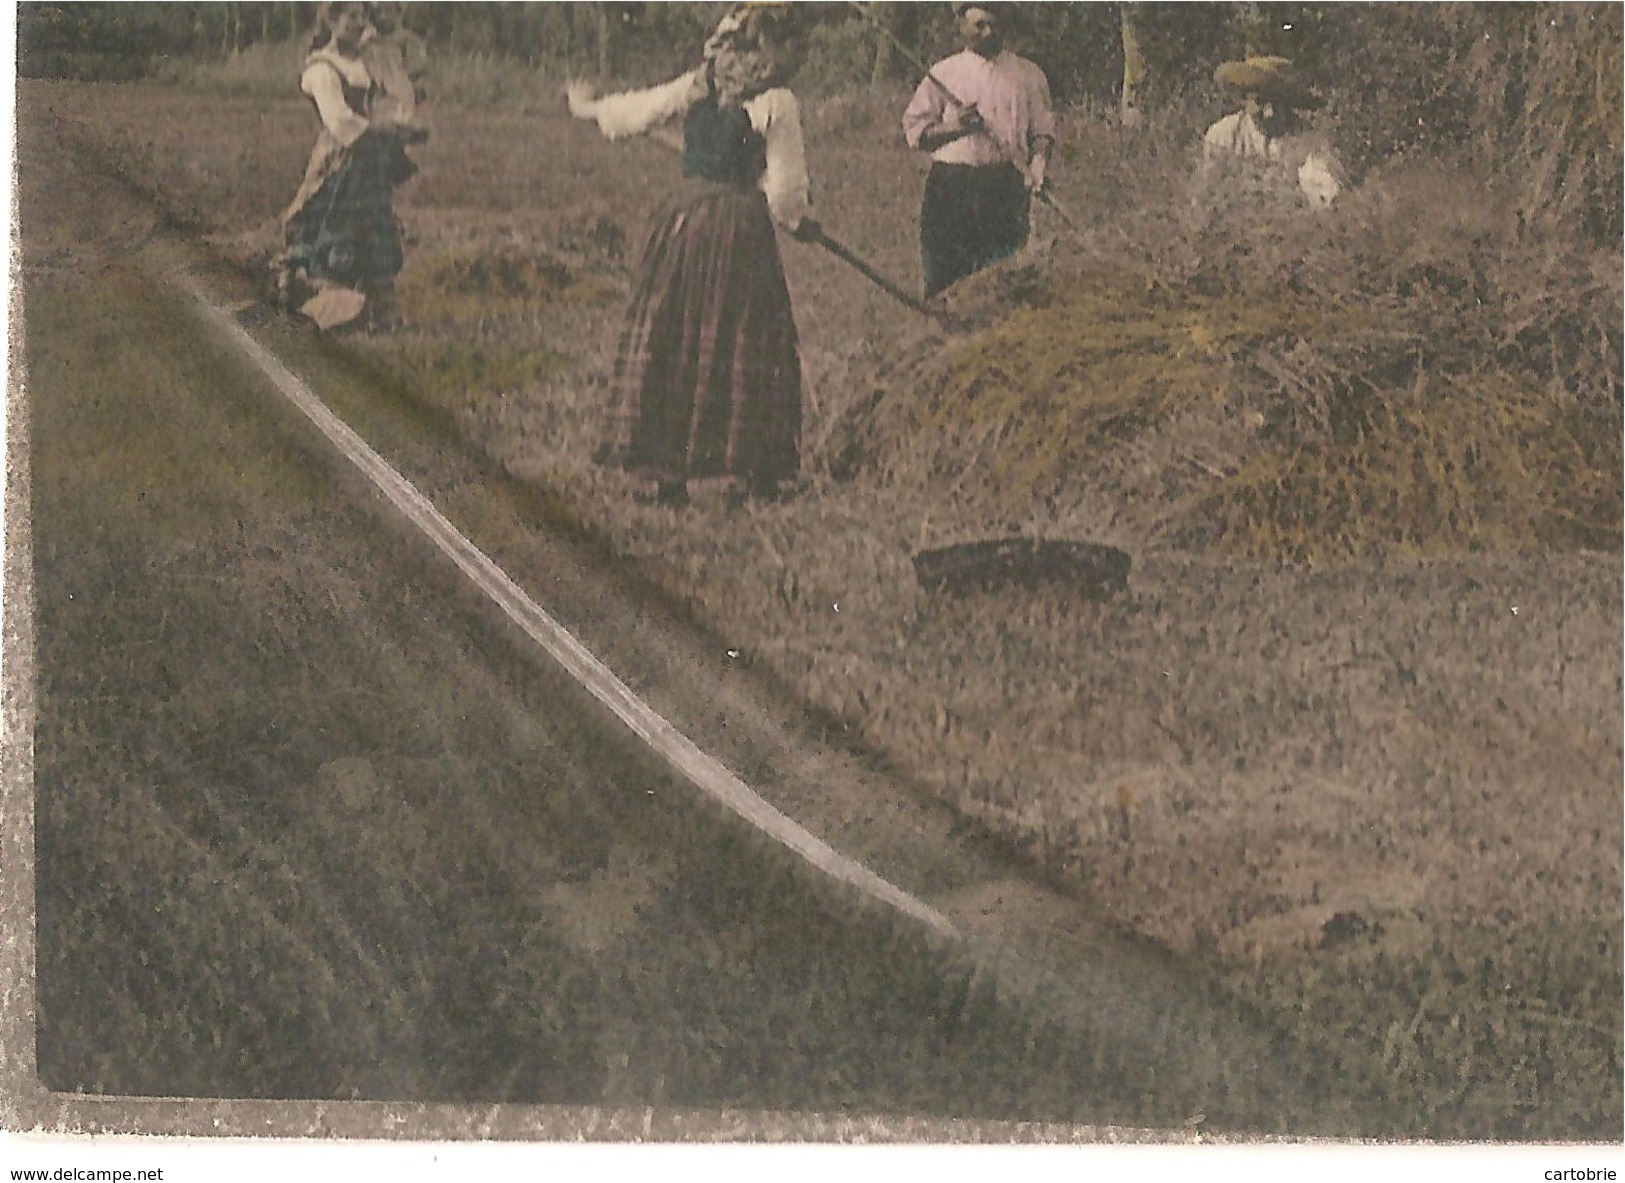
pixel 708 379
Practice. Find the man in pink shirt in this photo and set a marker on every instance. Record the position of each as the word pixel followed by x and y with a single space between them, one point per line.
pixel 984 115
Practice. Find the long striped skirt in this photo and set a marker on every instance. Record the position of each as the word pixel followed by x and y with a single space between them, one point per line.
pixel 708 379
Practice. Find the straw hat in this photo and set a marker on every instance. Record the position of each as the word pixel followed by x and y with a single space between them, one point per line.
pixel 1273 79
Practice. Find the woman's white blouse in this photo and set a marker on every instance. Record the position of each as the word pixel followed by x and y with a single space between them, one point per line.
pixel 325 76
pixel 775 114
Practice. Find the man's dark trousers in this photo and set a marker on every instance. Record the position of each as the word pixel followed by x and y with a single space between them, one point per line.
pixel 971 217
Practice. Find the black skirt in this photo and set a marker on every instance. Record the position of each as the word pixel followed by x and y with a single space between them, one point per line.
pixel 347 232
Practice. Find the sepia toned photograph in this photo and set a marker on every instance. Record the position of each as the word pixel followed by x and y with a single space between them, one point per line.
pixel 824 573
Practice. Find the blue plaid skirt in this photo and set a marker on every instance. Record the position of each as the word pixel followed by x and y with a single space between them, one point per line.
pixel 347 231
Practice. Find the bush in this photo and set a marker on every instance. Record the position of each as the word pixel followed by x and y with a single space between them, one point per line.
pixel 268 71
pixel 84 42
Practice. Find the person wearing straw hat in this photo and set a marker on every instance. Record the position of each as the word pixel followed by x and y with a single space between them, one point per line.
pixel 984 116
pixel 1267 143
pixel 708 377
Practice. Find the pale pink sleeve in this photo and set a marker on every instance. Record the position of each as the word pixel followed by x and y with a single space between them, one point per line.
pixel 925 110
pixel 1041 121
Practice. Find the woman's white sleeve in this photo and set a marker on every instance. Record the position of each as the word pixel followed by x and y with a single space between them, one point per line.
pixel 634 112
pixel 322 83
pixel 776 114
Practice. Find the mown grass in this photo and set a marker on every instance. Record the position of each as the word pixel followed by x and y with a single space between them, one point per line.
pixel 1484 1068
pixel 281 854
pixel 1479 465
pixel 1411 377
pixel 1077 368
pixel 460 376
pixel 462 291
pixel 1341 452
pixel 478 326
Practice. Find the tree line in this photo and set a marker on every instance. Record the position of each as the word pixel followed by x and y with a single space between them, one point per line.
pixel 1536 84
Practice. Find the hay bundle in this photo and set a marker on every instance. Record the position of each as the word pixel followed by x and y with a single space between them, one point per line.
pixel 1438 469
pixel 1417 376
pixel 1046 397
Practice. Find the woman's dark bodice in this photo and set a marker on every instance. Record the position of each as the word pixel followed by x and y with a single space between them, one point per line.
pixel 357 98
pixel 720 145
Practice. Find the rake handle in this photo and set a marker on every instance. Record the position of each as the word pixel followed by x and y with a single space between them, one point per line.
pixel 913 59
pixel 845 255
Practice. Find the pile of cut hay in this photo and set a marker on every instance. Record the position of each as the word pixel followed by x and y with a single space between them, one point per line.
pixel 1385 407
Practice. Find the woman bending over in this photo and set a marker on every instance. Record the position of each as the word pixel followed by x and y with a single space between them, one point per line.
pixel 343 244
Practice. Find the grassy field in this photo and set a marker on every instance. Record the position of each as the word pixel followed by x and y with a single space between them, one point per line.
pixel 306 827
pixel 1350 738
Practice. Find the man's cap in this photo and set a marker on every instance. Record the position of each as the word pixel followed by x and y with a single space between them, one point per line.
pixel 1273 79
